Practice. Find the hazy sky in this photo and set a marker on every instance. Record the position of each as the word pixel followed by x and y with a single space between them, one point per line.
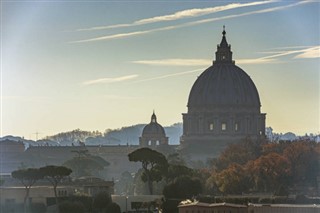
pixel 96 65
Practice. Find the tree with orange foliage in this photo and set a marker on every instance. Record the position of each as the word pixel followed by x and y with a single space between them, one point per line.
pixel 269 172
pixel 304 160
pixel 233 180
pixel 239 153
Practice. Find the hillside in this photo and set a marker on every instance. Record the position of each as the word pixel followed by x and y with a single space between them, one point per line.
pixel 122 136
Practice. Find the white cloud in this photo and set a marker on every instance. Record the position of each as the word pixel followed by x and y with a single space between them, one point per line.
pixel 256 61
pixel 313 52
pixel 124 35
pixel 310 52
pixel 285 48
pixel 170 75
pixel 200 62
pixel 196 12
pixel 110 80
pixel 268 10
pixel 300 51
pixel 115 36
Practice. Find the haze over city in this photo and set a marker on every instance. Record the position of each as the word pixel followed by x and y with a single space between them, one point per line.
pixel 109 64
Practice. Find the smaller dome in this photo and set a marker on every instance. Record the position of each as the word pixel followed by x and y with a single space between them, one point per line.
pixel 153 128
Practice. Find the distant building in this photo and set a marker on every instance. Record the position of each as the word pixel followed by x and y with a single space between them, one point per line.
pixel 199 207
pixel 10 152
pixel 12 197
pixel 137 203
pixel 8 146
pixel 153 134
pixel 223 107
pixel 283 208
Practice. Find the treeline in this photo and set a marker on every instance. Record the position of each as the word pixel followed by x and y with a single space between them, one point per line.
pixel 124 135
pixel 243 170
pixel 277 168
pixel 73 136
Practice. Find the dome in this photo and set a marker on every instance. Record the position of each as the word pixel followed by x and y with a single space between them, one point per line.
pixel 224 84
pixel 153 128
pixel 223 108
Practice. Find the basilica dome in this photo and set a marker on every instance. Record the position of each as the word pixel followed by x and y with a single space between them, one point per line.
pixel 224 84
pixel 153 128
pixel 223 107
pixel 153 134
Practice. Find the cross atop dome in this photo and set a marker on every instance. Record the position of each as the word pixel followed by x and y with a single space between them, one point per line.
pixel 224 53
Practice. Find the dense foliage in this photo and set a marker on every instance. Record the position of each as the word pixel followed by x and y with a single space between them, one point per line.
pixel 154 165
pixel 265 167
pixel 102 203
pixel 71 207
pixel 55 174
pixel 73 136
pixel 28 177
pixel 85 164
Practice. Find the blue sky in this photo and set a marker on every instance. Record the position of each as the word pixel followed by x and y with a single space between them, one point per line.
pixel 96 65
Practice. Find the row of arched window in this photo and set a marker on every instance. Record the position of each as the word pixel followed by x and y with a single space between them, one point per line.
pixel 224 127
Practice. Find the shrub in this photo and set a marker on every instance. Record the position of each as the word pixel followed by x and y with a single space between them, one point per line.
pixel 71 207
pixel 37 208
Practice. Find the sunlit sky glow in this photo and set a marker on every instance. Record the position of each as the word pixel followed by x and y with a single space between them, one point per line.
pixel 96 65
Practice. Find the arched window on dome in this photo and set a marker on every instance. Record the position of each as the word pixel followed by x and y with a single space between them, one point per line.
pixel 211 127
pixel 236 127
pixel 223 126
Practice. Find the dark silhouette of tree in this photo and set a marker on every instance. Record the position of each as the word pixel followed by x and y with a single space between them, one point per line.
pixel 37 208
pixel 101 201
pixel 184 187
pixel 175 171
pixel 85 164
pixel 154 165
pixel 28 177
pixel 55 174
pixel 113 208
pixel 71 207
